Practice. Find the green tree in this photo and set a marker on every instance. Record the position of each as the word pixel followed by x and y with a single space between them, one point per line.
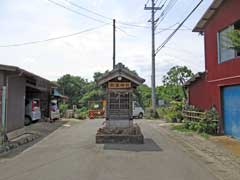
pixel 169 93
pixel 93 93
pixel 234 39
pixel 97 75
pixel 73 87
pixel 79 90
pixel 176 77
pixel 143 94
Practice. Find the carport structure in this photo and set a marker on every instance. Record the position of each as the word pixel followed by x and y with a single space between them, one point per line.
pixel 20 85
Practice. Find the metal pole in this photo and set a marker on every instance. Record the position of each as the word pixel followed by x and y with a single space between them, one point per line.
pixel 153 59
pixel 114 43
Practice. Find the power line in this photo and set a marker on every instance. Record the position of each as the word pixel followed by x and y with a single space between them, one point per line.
pixel 187 27
pixel 180 25
pixel 133 25
pixel 74 11
pixel 170 29
pixel 147 2
pixel 51 39
pixel 163 29
pixel 157 1
pixel 168 8
pixel 96 13
pixel 183 51
pixel 183 60
pixel 93 12
pixel 125 32
pixel 163 4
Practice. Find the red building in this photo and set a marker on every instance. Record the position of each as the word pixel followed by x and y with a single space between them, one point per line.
pixel 219 85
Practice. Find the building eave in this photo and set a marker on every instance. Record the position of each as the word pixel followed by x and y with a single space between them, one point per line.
pixel 195 78
pixel 21 72
pixel 120 70
pixel 201 25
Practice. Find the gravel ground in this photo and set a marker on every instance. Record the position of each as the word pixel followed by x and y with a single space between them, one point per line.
pixel 218 158
pixel 33 134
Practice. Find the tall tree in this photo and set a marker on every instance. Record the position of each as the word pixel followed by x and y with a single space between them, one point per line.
pixel 177 76
pixel 143 94
pixel 79 90
pixel 73 87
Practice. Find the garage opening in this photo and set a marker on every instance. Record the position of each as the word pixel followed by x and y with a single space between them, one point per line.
pixel 231 110
pixel 36 101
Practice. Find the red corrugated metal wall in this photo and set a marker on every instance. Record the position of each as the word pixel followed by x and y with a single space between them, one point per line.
pixel 207 91
pixel 228 14
pixel 198 94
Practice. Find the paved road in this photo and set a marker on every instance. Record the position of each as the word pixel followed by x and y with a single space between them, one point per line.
pixel 70 153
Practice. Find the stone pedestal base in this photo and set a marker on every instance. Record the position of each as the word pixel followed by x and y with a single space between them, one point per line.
pixel 119 123
pixel 119 135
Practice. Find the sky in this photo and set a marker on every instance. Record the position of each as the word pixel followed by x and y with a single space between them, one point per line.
pixel 91 51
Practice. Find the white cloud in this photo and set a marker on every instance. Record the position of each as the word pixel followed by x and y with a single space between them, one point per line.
pixel 92 51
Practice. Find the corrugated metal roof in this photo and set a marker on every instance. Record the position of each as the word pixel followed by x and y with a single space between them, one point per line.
pixel 21 71
pixel 208 15
pixel 120 70
pixel 197 76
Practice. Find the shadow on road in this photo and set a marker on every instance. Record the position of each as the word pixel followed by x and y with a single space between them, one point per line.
pixel 149 145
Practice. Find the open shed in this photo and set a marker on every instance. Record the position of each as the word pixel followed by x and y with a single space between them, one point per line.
pixel 20 85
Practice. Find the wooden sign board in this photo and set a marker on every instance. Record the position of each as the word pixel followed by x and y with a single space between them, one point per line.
pixel 119 85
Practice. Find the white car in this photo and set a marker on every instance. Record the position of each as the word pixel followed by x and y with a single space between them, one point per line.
pixel 54 110
pixel 138 111
pixel 32 110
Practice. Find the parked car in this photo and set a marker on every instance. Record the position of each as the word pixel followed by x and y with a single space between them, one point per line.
pixel 32 110
pixel 54 110
pixel 138 111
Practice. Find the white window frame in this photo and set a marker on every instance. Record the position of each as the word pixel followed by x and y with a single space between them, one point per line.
pixel 220 48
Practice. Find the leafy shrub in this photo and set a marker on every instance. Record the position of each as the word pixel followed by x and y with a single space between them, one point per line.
pixel 83 109
pixel 203 126
pixel 81 113
pixel 172 112
pixel 63 108
pixel 149 114
pixel 207 125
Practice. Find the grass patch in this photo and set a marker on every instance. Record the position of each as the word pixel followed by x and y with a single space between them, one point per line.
pixel 204 135
pixel 180 128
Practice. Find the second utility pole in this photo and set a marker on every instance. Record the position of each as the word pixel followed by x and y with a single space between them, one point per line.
pixel 153 8
pixel 114 43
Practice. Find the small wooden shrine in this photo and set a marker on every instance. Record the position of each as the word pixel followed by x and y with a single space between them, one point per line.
pixel 119 85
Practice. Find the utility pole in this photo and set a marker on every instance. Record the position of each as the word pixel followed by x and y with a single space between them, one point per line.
pixel 153 77
pixel 114 43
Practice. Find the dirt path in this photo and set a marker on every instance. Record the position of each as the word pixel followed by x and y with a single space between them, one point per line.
pixel 213 154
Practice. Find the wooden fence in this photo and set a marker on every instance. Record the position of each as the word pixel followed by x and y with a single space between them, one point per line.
pixel 194 115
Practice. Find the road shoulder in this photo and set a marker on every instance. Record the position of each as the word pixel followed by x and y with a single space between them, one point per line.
pixel 217 158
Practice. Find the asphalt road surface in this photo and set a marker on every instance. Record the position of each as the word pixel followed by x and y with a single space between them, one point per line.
pixel 70 153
